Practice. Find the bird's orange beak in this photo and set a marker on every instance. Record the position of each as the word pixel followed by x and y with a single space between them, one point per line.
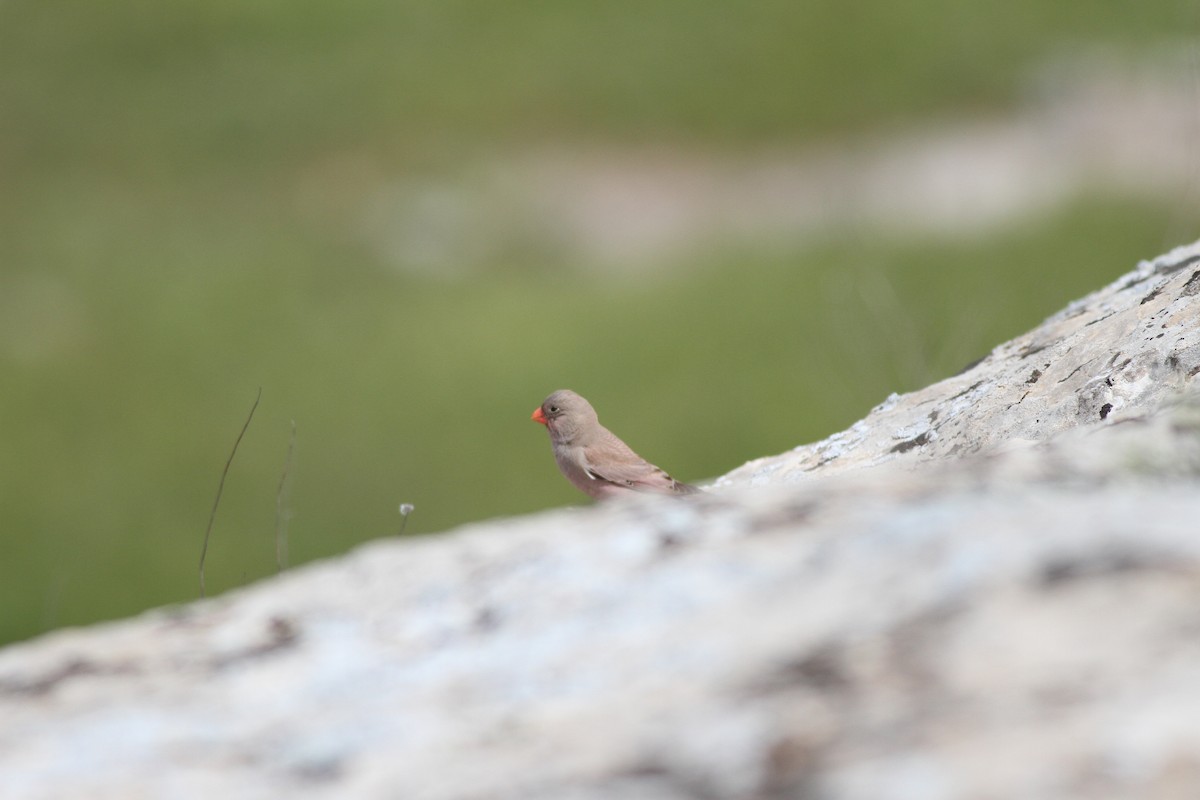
pixel 538 416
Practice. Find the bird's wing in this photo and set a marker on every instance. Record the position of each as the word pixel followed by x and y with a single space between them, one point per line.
pixel 609 459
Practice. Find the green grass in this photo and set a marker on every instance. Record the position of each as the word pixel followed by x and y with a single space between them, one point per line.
pixel 180 226
pixel 157 92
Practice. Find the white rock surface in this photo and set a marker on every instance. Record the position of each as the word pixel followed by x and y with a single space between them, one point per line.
pixel 1114 354
pixel 985 589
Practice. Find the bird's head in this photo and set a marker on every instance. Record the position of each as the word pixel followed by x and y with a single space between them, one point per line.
pixel 565 414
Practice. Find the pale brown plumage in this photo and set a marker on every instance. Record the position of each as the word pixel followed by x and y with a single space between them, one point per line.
pixel 592 458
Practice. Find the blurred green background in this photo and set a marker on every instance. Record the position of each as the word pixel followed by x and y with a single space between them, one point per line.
pixel 363 207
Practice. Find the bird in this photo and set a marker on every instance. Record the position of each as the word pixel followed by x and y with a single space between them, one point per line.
pixel 592 458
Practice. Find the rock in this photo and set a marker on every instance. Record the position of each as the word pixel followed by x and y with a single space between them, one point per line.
pixel 985 589
pixel 1115 353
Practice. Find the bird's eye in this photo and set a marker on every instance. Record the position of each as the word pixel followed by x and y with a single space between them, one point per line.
pixel 553 409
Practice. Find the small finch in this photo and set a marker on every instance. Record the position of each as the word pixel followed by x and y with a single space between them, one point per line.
pixel 588 454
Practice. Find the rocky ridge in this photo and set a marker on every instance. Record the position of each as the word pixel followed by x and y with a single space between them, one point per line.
pixel 984 589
